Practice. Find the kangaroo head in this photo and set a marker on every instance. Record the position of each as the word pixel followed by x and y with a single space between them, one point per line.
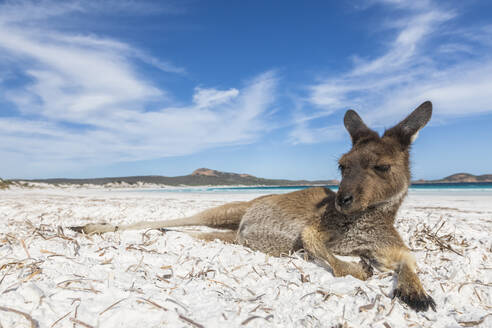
pixel 376 170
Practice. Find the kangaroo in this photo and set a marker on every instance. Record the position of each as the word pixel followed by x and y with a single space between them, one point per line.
pixel 357 221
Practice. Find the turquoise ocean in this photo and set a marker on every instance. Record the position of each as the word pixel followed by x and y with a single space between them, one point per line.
pixel 448 188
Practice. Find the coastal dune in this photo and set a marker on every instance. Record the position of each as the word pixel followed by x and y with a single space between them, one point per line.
pixel 51 276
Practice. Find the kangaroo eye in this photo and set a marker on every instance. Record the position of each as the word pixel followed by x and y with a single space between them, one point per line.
pixel 382 168
pixel 341 167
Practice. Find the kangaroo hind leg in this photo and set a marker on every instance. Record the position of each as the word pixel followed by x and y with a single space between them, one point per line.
pixel 226 216
pixel 409 289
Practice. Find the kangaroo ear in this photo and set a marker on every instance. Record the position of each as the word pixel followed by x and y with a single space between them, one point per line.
pixel 357 128
pixel 407 130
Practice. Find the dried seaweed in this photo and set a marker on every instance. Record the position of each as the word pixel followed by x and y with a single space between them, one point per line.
pixel 426 235
pixel 34 323
pixel 473 323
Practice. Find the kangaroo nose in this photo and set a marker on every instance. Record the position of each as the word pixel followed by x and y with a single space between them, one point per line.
pixel 345 200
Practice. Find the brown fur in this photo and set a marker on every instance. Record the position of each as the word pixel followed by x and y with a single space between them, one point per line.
pixel 357 220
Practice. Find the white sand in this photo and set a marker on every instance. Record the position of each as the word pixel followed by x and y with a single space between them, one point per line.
pixel 138 279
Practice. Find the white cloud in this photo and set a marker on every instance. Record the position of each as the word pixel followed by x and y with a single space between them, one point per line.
pixel 133 135
pixel 417 65
pixel 212 97
pixel 25 12
pixel 85 101
pixel 303 134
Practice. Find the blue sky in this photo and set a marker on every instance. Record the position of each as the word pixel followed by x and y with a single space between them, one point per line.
pixel 92 89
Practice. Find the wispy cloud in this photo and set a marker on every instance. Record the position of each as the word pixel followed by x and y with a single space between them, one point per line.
pixel 81 99
pixel 427 59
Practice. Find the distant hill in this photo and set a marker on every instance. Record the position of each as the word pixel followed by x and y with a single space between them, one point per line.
pixel 459 178
pixel 199 177
pixel 209 177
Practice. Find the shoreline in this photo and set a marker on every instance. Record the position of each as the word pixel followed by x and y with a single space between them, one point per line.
pixel 225 190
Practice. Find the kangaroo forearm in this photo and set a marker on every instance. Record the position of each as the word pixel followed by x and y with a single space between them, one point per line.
pixel 393 257
pixel 401 261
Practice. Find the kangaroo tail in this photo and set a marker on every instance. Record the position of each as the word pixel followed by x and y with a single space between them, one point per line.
pixel 227 216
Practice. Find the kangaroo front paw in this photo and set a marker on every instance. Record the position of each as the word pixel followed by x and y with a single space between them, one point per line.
pixel 361 270
pixel 367 268
pixel 93 228
pixel 418 301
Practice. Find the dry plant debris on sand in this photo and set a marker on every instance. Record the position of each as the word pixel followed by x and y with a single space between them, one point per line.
pixel 53 277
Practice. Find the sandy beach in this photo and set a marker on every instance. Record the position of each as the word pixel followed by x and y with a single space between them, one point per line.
pixel 51 276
